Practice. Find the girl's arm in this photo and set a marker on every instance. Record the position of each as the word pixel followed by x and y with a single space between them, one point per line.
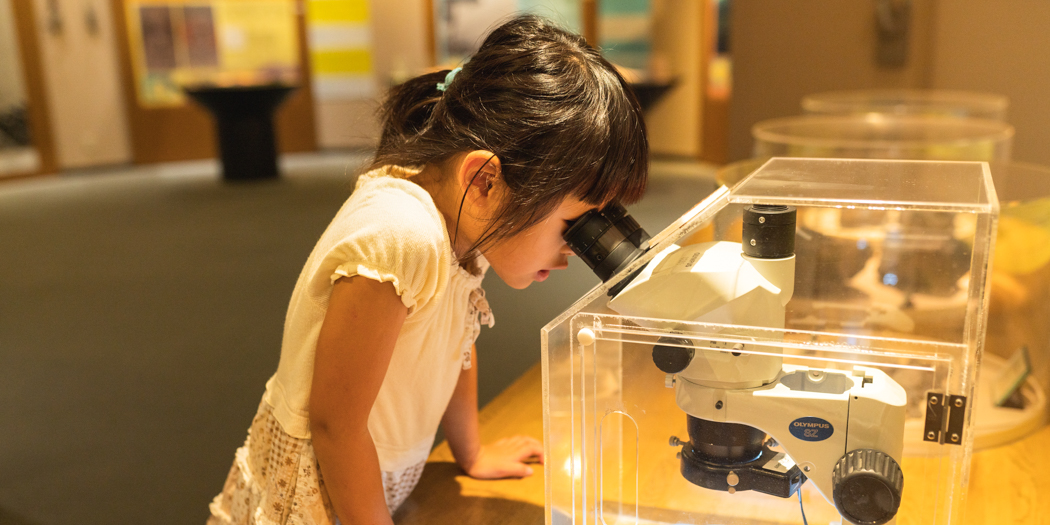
pixel 353 352
pixel 501 459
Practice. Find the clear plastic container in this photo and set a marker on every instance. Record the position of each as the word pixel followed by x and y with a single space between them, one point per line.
pixel 1019 305
pixel 908 102
pixel 880 136
pixel 734 172
pixel 1019 310
pixel 866 351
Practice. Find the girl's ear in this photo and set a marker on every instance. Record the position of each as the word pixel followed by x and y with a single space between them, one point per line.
pixel 477 173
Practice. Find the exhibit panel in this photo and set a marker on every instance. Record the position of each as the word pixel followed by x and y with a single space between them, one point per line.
pixel 24 148
pixel 169 46
pixel 808 339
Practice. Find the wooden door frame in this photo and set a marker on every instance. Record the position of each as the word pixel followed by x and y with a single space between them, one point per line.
pixel 431 31
pixel 589 21
pixel 39 112
pixel 714 118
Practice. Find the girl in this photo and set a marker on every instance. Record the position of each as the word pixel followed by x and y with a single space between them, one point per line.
pixel 480 167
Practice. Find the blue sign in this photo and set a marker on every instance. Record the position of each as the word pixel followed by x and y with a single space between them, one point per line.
pixel 811 429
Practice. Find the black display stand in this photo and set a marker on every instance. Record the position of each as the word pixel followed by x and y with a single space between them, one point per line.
pixel 244 124
pixel 649 93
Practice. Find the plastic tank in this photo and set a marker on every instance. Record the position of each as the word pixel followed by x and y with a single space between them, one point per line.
pixel 908 102
pixel 882 136
pixel 734 172
pixel 890 274
pixel 1019 304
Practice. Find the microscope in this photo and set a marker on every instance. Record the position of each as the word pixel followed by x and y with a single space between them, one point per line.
pixel 753 421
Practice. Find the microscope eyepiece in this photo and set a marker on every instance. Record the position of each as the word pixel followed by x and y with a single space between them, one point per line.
pixel 769 231
pixel 607 240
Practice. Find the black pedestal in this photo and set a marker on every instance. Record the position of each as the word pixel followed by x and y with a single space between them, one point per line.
pixel 244 122
pixel 649 93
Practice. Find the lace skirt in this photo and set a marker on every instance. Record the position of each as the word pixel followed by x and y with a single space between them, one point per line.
pixel 275 479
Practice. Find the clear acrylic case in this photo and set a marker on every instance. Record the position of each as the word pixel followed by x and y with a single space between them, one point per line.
pixel 879 350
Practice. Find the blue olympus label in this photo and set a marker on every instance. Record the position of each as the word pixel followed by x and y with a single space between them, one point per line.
pixel 811 429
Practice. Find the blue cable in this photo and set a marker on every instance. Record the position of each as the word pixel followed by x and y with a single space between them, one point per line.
pixel 804 522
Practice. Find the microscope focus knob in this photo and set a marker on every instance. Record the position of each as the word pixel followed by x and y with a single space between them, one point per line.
pixel 867 486
pixel 671 355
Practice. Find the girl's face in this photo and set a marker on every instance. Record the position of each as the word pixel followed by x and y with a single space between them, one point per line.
pixel 532 254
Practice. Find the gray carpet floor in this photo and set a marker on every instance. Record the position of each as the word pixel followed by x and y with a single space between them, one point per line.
pixel 141 314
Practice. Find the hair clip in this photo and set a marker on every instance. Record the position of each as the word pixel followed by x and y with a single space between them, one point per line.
pixel 442 86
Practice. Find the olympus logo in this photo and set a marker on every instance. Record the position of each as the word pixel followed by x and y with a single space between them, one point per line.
pixel 811 429
pixel 807 424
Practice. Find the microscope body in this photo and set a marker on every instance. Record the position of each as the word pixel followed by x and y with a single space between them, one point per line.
pixel 715 283
pixel 818 417
pixel 841 429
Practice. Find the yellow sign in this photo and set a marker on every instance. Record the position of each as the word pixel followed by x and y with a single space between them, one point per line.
pixel 340 49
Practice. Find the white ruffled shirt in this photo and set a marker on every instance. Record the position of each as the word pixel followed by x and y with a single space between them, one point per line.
pixel 391 231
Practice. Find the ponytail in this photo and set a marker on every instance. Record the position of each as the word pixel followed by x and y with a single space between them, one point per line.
pixel 407 109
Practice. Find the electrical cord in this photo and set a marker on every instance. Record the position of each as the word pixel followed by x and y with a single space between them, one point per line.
pixel 800 508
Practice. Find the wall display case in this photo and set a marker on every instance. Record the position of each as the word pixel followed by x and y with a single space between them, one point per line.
pixel 810 338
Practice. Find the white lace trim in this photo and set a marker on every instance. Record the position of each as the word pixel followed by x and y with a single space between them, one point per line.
pixel 275 479
pixel 478 313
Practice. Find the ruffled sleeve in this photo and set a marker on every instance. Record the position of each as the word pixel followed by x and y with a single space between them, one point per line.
pixel 390 237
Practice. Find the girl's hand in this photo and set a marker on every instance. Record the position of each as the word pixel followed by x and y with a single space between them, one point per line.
pixel 506 458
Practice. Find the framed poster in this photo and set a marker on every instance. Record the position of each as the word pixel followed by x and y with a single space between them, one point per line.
pixel 462 24
pixel 176 43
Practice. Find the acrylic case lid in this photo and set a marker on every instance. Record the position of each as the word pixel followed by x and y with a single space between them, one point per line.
pixel 890 268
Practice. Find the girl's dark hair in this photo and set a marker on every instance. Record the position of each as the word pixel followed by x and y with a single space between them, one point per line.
pixel 560 118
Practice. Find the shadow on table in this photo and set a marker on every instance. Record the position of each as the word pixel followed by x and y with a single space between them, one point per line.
pixel 437 499
pixel 10 518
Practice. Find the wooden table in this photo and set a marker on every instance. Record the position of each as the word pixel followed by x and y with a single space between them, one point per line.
pixel 1008 484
